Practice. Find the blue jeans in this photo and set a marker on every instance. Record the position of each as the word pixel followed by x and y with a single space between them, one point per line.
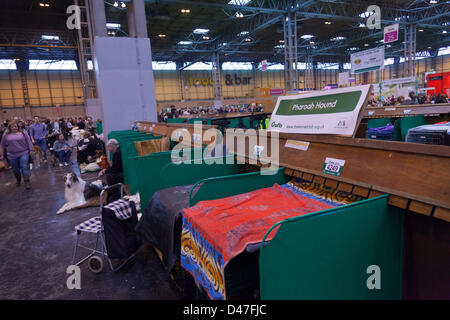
pixel 20 165
pixel 64 156
pixel 43 145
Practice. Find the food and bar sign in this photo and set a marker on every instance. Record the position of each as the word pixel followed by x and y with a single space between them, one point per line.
pixel 391 33
pixel 367 60
pixel 321 112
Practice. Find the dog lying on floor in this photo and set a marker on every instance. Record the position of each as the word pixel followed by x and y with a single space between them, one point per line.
pixel 79 193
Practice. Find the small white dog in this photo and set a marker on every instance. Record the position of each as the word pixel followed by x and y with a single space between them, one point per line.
pixel 79 193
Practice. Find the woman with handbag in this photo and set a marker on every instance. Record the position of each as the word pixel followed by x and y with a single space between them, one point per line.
pixel 18 146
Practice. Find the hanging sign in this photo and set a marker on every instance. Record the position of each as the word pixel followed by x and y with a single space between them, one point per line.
pixel 264 65
pixel 391 33
pixel 344 78
pixel 367 60
pixel 320 112
pixel 333 166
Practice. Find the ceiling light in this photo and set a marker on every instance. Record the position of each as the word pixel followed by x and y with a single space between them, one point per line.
pixel 361 25
pixel 123 5
pixel 420 30
pixel 430 47
pixel 307 36
pixel 185 10
pixel 239 15
pixel 281 41
pixel 201 31
pixel 185 43
pixel 338 38
pixel 48 37
pixel 247 40
pixel 311 42
pixel 206 38
pixel 433 1
pixel 242 33
pixel 365 14
pixel 280 46
pixel 161 35
pixel 444 31
pixel 116 4
pixel 327 22
pixel 353 49
pixel 113 25
pixel 239 2
pixel 44 4
pixel 366 44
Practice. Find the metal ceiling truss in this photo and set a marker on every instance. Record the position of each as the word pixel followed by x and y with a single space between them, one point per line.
pixel 17 43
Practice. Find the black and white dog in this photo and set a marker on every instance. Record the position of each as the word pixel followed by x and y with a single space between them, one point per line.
pixel 79 193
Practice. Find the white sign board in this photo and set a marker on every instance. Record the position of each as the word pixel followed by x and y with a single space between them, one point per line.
pixel 391 33
pixel 320 112
pixel 367 60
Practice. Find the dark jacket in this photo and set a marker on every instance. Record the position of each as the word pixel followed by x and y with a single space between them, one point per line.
pixel 116 166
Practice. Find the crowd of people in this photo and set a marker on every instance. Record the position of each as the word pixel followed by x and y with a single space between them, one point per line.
pixel 199 111
pixel 21 140
pixel 412 99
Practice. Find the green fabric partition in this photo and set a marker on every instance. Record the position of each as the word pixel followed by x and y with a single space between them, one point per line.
pixel 99 127
pixel 180 174
pixel 148 170
pixel 328 254
pixel 176 120
pixel 397 130
pixel 222 187
pixel 376 123
pixel 114 134
pixel 129 151
pixel 407 123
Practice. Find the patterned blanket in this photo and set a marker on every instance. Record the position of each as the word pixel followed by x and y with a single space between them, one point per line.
pixel 216 231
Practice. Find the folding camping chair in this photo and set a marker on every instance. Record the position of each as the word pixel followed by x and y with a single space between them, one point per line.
pixel 95 225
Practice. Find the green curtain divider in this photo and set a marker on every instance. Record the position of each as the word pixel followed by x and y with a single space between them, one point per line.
pixel 129 151
pixel 376 123
pixel 410 122
pixel 176 120
pixel 174 174
pixel 397 130
pixel 222 187
pixel 148 170
pixel 99 127
pixel 326 255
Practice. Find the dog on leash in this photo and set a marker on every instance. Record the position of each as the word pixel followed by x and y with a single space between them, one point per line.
pixel 38 156
pixel 79 193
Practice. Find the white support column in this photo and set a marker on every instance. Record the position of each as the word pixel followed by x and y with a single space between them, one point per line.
pixel 290 52
pixel 137 22
pixel 98 17
pixel 217 80
pixel 124 73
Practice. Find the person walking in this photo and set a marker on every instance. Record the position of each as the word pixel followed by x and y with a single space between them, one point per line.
pixel 18 147
pixel 38 132
pixel 63 149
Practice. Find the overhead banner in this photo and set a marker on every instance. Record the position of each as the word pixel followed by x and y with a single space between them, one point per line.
pixel 391 33
pixel 396 88
pixel 320 112
pixel 367 60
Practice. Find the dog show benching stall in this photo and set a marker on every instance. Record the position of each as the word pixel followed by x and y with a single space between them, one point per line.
pixel 309 231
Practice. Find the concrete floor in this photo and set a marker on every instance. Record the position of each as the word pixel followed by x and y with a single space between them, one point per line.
pixel 36 247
